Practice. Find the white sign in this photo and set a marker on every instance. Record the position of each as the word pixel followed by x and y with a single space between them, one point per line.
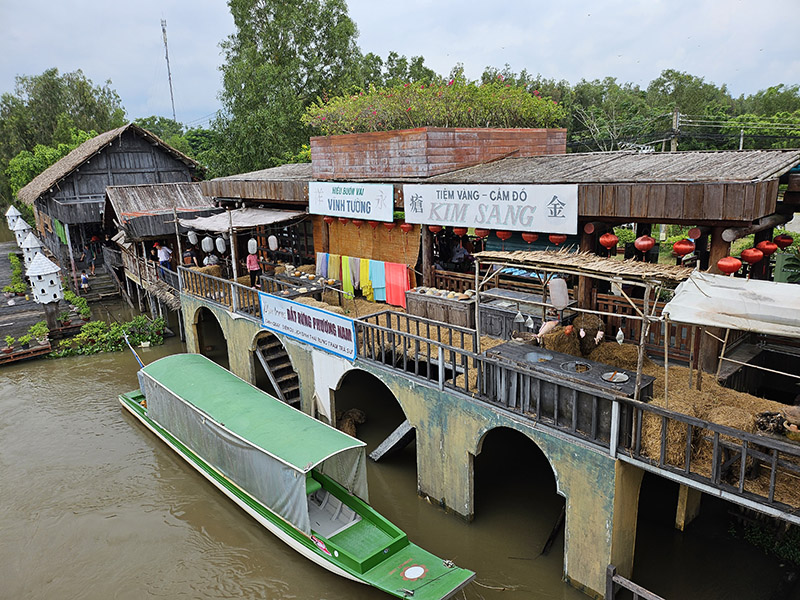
pixel 542 208
pixel 367 201
pixel 324 330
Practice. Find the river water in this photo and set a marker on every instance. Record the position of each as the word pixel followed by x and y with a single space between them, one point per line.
pixel 93 506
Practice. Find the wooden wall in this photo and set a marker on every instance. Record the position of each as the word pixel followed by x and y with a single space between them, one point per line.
pixel 377 244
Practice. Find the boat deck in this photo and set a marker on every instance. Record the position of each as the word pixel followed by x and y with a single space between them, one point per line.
pixel 362 539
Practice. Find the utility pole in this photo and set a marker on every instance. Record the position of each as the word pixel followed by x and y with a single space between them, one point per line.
pixel 169 73
pixel 676 119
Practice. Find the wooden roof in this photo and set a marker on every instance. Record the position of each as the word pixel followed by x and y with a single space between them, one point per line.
pixel 286 183
pixel 631 167
pixel 131 201
pixel 64 167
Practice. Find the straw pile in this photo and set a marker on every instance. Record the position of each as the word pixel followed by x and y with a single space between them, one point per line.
pixel 558 341
pixel 213 270
pixel 652 426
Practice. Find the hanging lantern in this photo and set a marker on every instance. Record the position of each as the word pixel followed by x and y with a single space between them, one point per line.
pixel 481 233
pixel 272 243
pixel 644 243
pixel 220 241
pixel 460 231
pixel 503 235
pixel 557 238
pixel 358 223
pixel 434 228
pixel 729 265
pixel 406 227
pixel 344 220
pixel 207 244
pixel 328 219
pixel 783 241
pixel 192 235
pixel 373 224
pixel 608 240
pixel 752 255
pixel 530 237
pixel 767 247
pixel 389 226
pixel 683 247
pixel 252 246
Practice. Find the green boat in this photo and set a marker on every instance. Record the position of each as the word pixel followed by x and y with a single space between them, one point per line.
pixel 303 480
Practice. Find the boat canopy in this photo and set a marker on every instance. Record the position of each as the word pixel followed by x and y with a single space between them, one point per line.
pixel 711 300
pixel 264 446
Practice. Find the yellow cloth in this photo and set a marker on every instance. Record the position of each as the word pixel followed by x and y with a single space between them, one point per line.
pixel 334 266
pixel 347 280
pixel 366 284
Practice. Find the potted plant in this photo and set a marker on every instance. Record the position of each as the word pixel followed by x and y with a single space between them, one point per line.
pixel 40 331
pixel 85 313
pixel 25 341
pixel 9 344
pixel 64 319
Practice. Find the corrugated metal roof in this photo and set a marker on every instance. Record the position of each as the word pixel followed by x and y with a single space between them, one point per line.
pixel 631 167
pixel 131 201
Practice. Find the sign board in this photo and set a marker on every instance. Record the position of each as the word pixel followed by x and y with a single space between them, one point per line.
pixel 543 208
pixel 367 201
pixel 322 329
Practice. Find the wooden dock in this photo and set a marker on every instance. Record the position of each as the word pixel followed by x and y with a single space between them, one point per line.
pixel 34 351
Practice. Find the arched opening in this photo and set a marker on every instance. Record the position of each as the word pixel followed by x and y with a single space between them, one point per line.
pixel 210 339
pixel 273 369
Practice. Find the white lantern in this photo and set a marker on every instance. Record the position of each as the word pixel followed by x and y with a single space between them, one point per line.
pixel 220 245
pixel 559 296
pixel 30 246
pixel 44 278
pixel 192 237
pixel 252 246
pixel 12 216
pixel 272 242
pixel 208 244
pixel 21 230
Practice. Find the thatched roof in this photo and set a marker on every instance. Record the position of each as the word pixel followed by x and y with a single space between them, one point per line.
pixel 631 167
pixel 164 293
pixel 586 263
pixel 64 167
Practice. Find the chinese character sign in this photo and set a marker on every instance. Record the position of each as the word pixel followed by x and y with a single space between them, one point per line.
pixel 545 208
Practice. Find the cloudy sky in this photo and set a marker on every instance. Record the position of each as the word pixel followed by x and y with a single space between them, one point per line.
pixel 745 44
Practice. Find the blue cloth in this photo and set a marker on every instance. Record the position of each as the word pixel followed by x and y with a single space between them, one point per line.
pixel 377 274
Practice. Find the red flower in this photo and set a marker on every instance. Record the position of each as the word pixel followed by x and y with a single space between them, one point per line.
pixel 451 82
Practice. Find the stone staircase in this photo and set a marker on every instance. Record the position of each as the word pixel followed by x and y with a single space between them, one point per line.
pixel 278 366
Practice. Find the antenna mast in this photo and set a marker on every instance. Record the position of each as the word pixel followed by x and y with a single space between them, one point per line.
pixel 169 73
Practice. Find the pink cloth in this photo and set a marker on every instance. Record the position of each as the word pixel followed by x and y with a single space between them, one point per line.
pixel 396 284
pixel 252 262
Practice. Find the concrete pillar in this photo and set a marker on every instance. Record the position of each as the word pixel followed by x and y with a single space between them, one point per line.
pixel 628 482
pixel 688 506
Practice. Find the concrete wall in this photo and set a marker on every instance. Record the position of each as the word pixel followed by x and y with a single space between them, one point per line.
pixel 601 493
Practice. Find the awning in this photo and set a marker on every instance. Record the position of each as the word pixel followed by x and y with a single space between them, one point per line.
pixel 242 218
pixel 734 303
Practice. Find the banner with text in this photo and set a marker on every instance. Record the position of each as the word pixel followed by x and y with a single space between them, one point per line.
pixel 367 201
pixel 324 330
pixel 542 208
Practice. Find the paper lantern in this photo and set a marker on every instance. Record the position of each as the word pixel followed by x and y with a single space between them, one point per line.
pixel 783 241
pixel 644 243
pixel 328 219
pixel 460 231
pixel 767 247
pixel 220 242
pixel 503 235
pixel 344 220
pixel 252 246
pixel 373 224
pixel 608 240
pixel 729 265
pixel 406 227
pixel 557 238
pixel 752 255
pixel 683 247
pixel 481 233
pixel 192 235
pixel 272 243
pixel 434 228
pixel 358 223
pixel 207 244
pixel 530 237
pixel 389 226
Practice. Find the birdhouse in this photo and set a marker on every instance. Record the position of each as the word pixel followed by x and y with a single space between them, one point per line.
pixel 30 246
pixel 21 230
pixel 45 281
pixel 12 216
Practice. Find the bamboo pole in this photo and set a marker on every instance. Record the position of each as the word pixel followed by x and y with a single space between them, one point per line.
pixel 666 361
pixel 642 338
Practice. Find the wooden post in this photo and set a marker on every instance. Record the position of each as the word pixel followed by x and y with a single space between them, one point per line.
pixel 642 339
pixel 179 260
pixel 666 362
pixel 760 270
pixel 427 257
pixel 326 236
pixel 585 284
pixel 71 257
pixel 709 346
pixel 477 307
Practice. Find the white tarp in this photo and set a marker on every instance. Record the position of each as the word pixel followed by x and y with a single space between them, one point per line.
pixel 735 303
pixel 242 218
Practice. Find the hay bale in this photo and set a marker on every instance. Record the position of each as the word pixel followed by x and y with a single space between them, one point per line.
pixel 676 434
pixel 213 270
pixel 623 356
pixel 558 341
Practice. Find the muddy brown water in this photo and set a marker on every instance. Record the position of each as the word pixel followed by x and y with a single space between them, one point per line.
pixel 93 506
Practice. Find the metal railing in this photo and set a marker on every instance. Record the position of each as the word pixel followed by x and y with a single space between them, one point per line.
pixel 615 581
pixel 149 271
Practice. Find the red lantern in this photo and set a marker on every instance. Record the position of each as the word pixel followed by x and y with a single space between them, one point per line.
pixel 644 243
pixel 373 224
pixel 729 265
pixel 783 241
pixel 504 235
pixel 557 238
pixel 328 219
pixel 683 247
pixel 460 231
pixel 608 240
pixel 530 237
pixel 358 223
pixel 767 247
pixel 434 228
pixel 406 227
pixel 389 226
pixel 752 255
pixel 481 233
pixel 344 220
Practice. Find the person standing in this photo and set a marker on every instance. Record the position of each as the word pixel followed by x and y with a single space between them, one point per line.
pixel 254 269
pixel 164 257
pixel 190 257
pixel 89 256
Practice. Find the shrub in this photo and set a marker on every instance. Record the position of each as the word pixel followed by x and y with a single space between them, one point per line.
pixel 10 340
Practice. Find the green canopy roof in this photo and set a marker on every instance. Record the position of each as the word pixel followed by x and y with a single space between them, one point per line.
pixel 286 433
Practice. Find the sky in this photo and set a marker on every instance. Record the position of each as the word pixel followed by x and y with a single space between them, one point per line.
pixel 745 44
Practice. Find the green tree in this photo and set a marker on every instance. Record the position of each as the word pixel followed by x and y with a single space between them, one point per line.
pixel 161 126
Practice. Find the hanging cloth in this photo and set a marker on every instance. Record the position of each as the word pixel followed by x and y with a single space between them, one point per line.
pixel 334 266
pixel 377 276
pixel 322 264
pixel 366 284
pixel 347 278
pixel 396 284
pixel 355 272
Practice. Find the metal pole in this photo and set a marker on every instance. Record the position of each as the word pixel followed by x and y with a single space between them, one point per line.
pixel 477 306
pixel 666 361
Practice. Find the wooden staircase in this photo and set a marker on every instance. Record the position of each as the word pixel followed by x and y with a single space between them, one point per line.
pixel 278 367
pixel 101 286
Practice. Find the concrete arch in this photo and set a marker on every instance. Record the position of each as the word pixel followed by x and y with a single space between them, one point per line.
pixel 210 336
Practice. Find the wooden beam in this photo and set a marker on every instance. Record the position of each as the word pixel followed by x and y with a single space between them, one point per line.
pixel 768 222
